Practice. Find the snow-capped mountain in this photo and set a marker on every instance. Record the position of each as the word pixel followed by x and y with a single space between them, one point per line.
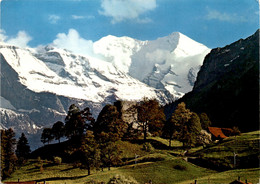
pixel 61 72
pixel 169 63
pixel 38 85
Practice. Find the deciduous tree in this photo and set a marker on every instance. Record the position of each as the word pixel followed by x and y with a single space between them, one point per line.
pixel 110 154
pixel 8 157
pixel 205 121
pixel 76 121
pixel 193 129
pixel 90 153
pixel 58 130
pixel 179 119
pixel 47 135
pixel 109 121
pixel 150 116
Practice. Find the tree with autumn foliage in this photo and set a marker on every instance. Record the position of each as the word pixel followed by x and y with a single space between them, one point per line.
pixel 89 152
pixel 204 120
pixel 150 117
pixel 193 129
pixel 110 122
pixel 178 122
pixel 183 125
pixel 110 153
pixel 8 157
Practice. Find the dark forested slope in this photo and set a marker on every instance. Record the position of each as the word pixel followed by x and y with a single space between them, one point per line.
pixel 227 86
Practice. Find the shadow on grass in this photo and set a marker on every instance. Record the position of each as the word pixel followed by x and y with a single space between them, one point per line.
pixel 61 178
pixel 156 144
pixel 175 154
pixel 68 169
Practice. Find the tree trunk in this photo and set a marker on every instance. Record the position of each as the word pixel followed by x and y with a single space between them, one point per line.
pixel 88 170
pixel 145 131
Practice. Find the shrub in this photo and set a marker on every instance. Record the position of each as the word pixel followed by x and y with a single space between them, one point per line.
pixel 39 164
pixel 57 160
pixel 180 167
pixel 77 164
pixel 120 179
pixel 41 169
pixel 148 147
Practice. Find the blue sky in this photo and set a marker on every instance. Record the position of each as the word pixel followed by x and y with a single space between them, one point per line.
pixel 215 23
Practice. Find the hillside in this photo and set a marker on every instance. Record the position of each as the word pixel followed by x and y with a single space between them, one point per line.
pixel 161 165
pixel 227 86
pixel 220 156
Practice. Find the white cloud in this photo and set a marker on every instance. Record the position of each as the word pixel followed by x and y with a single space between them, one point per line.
pixel 144 20
pixel 21 39
pixel 54 19
pixel 3 37
pixel 120 10
pixel 73 42
pixel 225 17
pixel 76 17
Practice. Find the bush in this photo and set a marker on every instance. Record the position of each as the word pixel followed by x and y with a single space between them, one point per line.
pixel 148 147
pixel 57 160
pixel 180 167
pixel 120 179
pixel 77 164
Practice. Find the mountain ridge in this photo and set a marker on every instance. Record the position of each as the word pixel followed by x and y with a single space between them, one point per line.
pixel 39 84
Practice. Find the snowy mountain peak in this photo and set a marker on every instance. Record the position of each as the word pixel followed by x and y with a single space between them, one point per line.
pixel 63 73
pixel 46 80
pixel 173 59
pixel 138 59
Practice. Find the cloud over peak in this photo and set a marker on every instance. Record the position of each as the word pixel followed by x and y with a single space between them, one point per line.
pixel 21 39
pixel 74 42
pixel 120 10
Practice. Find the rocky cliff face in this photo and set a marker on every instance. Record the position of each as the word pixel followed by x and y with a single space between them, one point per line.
pixel 235 59
pixel 227 86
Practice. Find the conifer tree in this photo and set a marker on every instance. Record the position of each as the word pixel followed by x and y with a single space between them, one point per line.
pixel 23 148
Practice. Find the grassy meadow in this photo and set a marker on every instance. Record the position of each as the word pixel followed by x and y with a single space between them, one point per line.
pixel 161 165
